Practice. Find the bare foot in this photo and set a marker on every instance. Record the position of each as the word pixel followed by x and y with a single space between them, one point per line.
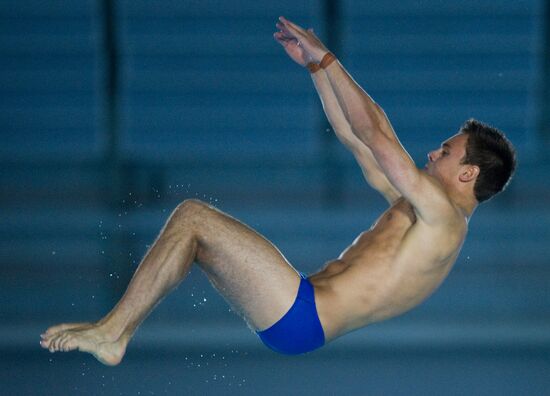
pixel 86 337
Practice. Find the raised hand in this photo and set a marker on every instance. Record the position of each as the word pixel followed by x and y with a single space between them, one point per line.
pixel 303 46
pixel 292 46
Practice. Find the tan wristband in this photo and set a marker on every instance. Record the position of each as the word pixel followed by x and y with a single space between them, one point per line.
pixel 313 67
pixel 327 60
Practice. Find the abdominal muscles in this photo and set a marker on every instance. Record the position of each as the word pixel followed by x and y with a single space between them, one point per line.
pixel 373 277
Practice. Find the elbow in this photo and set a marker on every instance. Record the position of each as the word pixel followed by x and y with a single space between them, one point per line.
pixel 368 123
pixel 364 127
pixel 368 133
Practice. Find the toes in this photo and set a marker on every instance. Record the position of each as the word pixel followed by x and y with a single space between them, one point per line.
pixel 67 343
pixel 70 344
pixel 55 342
pixel 56 329
pixel 62 341
pixel 47 343
pixel 51 346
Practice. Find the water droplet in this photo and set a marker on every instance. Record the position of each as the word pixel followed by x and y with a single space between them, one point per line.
pixel 53 252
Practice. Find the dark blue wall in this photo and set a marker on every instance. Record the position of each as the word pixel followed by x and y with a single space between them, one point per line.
pixel 112 113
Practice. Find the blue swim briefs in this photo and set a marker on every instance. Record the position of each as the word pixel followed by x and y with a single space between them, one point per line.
pixel 299 330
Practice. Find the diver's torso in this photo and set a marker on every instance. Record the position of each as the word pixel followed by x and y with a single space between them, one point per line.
pixel 387 270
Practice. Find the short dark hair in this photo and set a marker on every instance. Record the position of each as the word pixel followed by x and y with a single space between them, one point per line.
pixel 488 148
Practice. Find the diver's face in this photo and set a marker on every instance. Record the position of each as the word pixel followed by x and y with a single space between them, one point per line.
pixel 444 163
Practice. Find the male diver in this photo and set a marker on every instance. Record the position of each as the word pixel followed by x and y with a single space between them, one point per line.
pixel 387 270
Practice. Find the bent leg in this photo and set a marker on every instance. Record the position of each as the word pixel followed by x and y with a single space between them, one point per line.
pixel 246 268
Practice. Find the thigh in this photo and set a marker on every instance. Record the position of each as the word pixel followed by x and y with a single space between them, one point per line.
pixel 247 269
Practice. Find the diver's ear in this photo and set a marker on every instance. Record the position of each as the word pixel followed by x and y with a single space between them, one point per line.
pixel 469 173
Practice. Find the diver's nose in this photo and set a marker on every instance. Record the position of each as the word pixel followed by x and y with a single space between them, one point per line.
pixel 432 155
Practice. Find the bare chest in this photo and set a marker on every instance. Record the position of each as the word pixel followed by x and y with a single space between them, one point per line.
pixel 385 236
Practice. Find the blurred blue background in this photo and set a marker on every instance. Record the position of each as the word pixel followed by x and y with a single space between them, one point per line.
pixel 113 112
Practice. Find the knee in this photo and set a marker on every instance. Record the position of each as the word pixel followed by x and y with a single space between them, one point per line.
pixel 190 209
pixel 192 205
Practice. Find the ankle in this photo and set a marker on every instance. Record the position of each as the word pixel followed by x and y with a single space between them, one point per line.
pixel 111 331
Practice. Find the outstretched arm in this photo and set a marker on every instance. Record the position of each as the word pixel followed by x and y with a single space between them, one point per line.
pixel 371 170
pixel 362 153
pixel 370 125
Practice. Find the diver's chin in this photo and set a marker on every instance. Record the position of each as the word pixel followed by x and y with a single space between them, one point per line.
pixel 429 171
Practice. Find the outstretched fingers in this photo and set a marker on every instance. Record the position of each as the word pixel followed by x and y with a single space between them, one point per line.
pixel 304 37
pixel 291 26
pixel 293 32
pixel 280 38
pixel 284 37
pixel 284 31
